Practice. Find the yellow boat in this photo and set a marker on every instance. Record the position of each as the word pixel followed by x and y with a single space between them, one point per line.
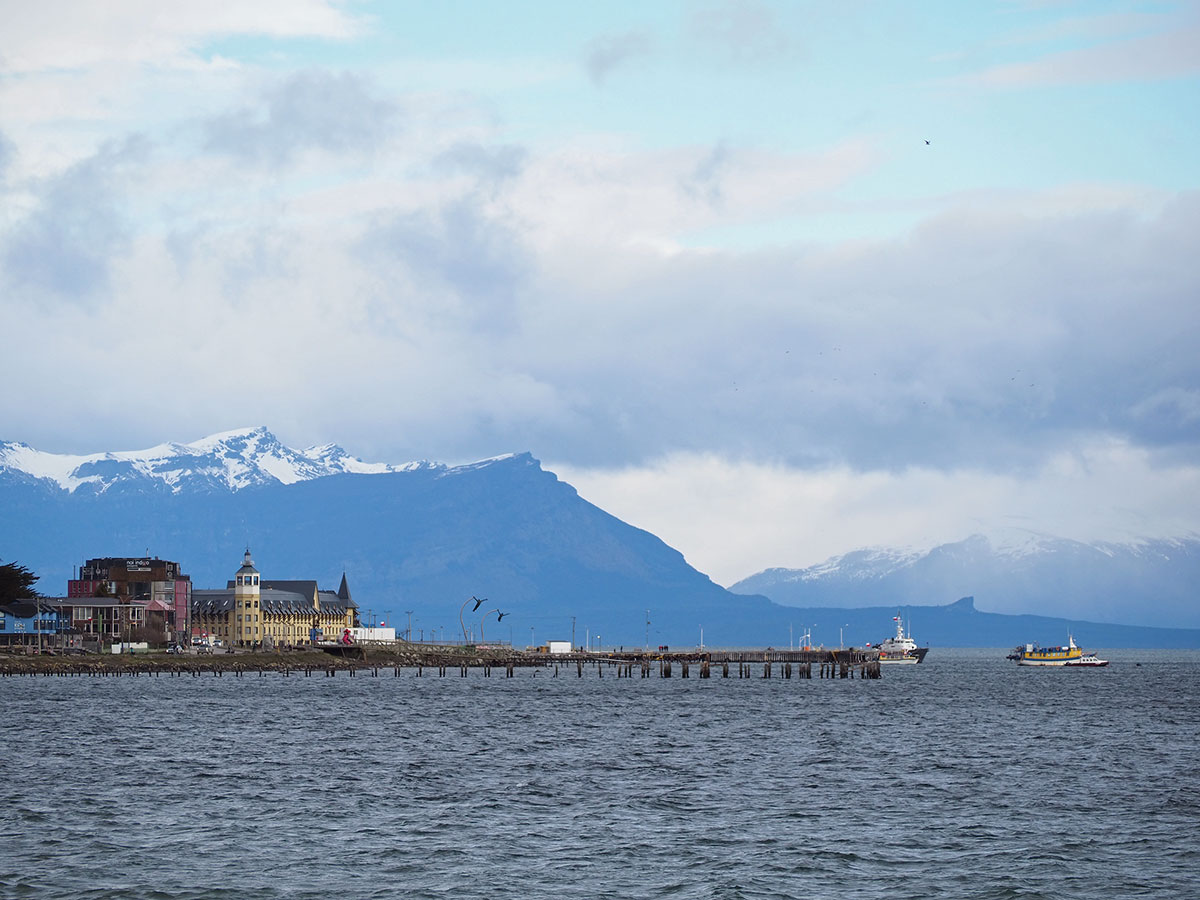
pixel 1033 655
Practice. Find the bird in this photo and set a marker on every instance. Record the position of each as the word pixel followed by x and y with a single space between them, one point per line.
pixel 478 602
pixel 927 143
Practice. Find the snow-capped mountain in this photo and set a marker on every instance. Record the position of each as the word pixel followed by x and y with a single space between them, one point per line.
pixel 420 537
pixel 1018 572
pixel 231 460
pixel 423 537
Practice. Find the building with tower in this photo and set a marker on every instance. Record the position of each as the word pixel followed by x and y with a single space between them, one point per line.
pixel 253 611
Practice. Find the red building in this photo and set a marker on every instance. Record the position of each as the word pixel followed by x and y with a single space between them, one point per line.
pixel 151 586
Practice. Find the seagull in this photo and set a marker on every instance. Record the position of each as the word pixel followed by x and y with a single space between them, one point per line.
pixel 478 602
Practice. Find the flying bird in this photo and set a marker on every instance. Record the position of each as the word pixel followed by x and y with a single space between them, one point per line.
pixel 927 143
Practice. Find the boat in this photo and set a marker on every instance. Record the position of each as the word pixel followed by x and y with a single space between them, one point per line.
pixel 1088 661
pixel 901 648
pixel 1069 655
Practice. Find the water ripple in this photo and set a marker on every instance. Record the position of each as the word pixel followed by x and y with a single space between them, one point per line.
pixel 964 777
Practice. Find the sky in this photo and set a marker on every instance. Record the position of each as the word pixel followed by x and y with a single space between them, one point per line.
pixel 772 280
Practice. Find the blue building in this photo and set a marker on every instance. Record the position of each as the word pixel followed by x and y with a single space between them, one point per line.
pixel 21 621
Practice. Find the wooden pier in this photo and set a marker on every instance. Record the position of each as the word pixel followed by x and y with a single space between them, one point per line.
pixel 460 661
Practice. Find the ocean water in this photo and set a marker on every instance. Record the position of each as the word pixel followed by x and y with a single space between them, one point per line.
pixel 962 777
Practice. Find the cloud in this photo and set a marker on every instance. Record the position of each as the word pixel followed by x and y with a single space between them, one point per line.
pixel 492 165
pixel 8 153
pixel 704 181
pixel 76 34
pixel 309 110
pixel 742 31
pixel 733 518
pixel 607 53
pixel 468 262
pixel 1170 54
pixel 66 243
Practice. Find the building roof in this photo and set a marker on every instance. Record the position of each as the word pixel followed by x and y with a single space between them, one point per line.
pixel 305 588
pixel 64 602
pixel 20 609
pixel 272 600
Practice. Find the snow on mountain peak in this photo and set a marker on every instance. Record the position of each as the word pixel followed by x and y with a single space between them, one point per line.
pixel 231 460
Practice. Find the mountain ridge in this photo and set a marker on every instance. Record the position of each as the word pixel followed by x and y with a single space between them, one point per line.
pixel 235 460
pixel 421 536
pixel 1043 573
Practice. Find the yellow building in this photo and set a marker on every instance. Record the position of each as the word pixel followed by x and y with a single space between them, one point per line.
pixel 251 611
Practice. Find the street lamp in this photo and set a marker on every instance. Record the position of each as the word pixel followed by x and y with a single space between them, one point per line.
pixel 840 627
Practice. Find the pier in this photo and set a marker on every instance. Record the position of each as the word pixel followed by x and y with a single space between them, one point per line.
pixel 360 660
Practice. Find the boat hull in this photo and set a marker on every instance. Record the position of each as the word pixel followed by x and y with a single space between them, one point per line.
pixel 911 658
pixel 1044 663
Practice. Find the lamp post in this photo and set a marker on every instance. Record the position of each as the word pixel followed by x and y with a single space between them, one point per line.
pixel 841 644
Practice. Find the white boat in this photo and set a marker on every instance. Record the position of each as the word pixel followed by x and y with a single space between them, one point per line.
pixel 901 648
pixel 1088 661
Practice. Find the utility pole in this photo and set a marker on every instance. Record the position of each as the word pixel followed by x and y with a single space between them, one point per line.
pixel 408 630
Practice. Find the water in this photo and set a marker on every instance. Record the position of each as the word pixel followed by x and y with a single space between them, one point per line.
pixel 963 777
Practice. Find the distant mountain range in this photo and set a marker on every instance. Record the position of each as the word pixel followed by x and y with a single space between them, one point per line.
pixel 1028 573
pixel 416 540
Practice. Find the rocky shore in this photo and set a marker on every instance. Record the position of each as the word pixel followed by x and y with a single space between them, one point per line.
pixel 356 658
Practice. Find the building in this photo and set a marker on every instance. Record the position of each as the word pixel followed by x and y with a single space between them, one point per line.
pixel 145 588
pixel 254 611
pixel 103 619
pixel 31 622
